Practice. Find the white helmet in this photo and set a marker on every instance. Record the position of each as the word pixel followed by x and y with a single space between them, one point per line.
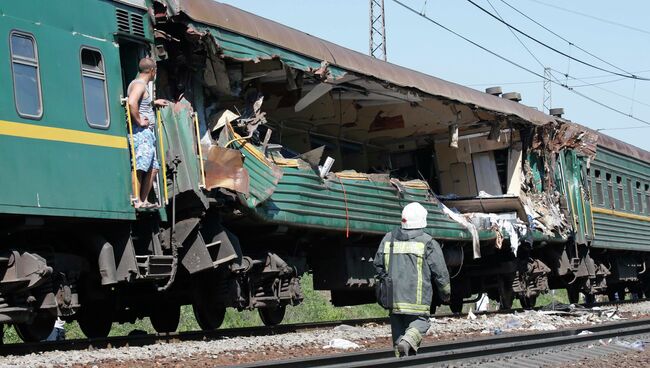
pixel 414 216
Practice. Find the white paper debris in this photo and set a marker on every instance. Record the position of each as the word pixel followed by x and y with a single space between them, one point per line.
pixel 341 344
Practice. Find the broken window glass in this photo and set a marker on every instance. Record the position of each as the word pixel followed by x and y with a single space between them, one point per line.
pixel 94 88
pixel 27 84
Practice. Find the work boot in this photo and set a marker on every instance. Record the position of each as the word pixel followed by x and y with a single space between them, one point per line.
pixel 403 348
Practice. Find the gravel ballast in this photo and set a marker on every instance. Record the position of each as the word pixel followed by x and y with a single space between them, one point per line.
pixel 316 342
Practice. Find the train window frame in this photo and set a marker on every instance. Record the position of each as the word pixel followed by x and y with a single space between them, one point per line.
pixel 630 198
pixel 610 190
pixel 620 191
pixel 35 63
pixel 99 75
pixel 647 198
pixel 599 190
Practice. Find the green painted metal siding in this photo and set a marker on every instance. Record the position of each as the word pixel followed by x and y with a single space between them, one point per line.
pixel 47 176
pixel 302 198
pixel 626 226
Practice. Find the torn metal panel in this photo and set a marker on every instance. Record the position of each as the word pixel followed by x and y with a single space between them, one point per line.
pixel 264 174
pixel 224 168
pixel 180 136
pixel 245 36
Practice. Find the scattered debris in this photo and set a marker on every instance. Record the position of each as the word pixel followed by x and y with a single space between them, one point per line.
pixel 341 344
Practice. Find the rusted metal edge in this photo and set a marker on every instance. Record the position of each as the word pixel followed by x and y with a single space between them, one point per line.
pixel 616 145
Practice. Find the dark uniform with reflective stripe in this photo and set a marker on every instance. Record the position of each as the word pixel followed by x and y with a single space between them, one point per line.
pixel 417 261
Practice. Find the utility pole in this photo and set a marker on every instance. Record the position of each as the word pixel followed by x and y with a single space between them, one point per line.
pixel 547 102
pixel 377 30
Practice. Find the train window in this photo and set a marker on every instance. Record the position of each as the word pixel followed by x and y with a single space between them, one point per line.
pixel 597 173
pixel 621 199
pixel 630 195
pixel 25 70
pixel 94 88
pixel 600 196
pixel 647 198
pixel 639 199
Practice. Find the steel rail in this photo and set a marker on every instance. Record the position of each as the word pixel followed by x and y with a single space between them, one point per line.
pixel 448 352
pixel 149 339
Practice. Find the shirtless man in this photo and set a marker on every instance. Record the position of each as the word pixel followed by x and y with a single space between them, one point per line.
pixel 143 118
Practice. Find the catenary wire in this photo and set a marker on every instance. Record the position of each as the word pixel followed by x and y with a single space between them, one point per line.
pixel 517 37
pixel 593 17
pixel 631 76
pixel 624 128
pixel 578 78
pixel 563 38
pixel 602 104
pixel 595 85
pixel 554 80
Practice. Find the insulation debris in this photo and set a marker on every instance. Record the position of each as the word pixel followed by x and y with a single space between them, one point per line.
pixel 502 223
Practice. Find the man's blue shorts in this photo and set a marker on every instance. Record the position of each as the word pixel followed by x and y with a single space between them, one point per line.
pixel 144 142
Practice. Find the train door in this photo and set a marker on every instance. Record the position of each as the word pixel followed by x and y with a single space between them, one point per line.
pixel 572 170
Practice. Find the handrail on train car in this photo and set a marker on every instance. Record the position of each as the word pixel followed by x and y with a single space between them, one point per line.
pixel 198 142
pixel 134 174
pixel 163 166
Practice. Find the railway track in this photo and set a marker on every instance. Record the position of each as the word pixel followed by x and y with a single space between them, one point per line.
pixel 476 351
pixel 150 339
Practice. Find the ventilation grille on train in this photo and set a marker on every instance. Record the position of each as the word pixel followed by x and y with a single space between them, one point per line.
pixel 122 20
pixel 129 23
pixel 137 25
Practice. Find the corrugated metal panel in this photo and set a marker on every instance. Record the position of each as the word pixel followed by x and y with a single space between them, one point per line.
pixel 302 198
pixel 620 233
pixel 252 26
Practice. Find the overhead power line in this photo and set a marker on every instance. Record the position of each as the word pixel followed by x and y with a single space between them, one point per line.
pixel 563 38
pixel 555 80
pixel 627 75
pixel 594 17
pixel 624 128
pixel 602 104
pixel 518 39
pixel 596 85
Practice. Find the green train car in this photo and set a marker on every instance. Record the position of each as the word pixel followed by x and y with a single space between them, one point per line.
pixel 281 154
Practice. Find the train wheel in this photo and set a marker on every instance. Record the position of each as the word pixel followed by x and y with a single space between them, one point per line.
pixel 573 293
pixel 95 322
pixel 209 318
pixel 39 329
pixel 272 316
pixel 165 318
pixel 456 305
pixel 528 302
pixel 590 299
pixel 506 294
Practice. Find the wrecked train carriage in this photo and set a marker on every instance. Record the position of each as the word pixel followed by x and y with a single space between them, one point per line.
pixel 301 100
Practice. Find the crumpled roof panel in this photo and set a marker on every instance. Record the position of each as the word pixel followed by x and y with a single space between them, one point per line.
pixel 236 20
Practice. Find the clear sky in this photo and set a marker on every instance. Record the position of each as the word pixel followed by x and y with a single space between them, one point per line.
pixel 415 43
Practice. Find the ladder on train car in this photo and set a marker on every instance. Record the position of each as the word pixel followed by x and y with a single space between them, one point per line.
pixel 161 200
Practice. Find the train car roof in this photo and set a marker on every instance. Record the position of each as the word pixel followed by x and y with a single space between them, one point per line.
pixel 250 25
pixel 616 145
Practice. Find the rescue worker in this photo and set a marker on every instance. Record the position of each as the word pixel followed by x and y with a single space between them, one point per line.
pixel 415 262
